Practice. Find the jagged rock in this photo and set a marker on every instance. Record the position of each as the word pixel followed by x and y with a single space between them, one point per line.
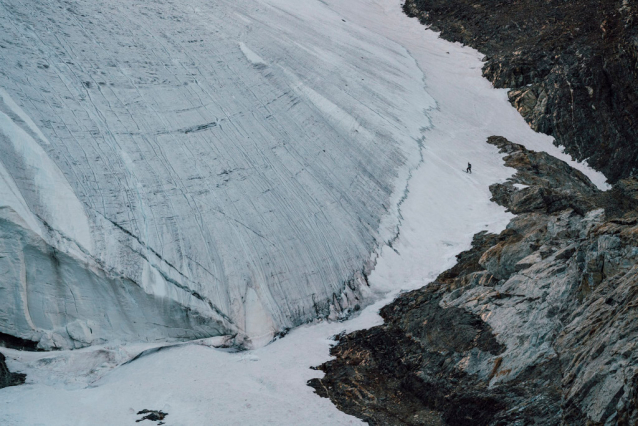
pixel 536 325
pixel 524 101
pixel 501 259
pixel 8 378
pixel 152 415
pixel 572 67
pixel 529 261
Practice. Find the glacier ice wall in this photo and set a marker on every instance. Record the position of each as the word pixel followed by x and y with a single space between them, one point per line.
pixel 178 169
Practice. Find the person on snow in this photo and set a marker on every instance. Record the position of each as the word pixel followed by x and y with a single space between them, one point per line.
pixel 469 168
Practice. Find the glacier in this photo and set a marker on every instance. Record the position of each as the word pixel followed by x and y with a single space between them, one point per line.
pixel 176 170
pixel 442 120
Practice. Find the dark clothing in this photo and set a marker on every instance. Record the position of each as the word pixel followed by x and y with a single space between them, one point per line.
pixel 469 168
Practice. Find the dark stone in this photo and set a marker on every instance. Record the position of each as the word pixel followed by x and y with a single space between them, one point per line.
pixel 13 342
pixel 8 378
pixel 152 415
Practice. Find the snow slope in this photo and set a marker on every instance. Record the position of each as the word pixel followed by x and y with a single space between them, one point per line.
pixel 234 163
pixel 443 207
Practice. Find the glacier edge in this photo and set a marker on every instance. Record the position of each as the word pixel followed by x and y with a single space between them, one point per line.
pixel 211 163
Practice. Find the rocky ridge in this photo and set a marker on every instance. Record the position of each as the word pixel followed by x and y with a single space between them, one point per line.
pixel 571 65
pixel 536 325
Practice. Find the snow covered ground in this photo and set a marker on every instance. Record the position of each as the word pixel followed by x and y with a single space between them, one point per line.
pixel 443 207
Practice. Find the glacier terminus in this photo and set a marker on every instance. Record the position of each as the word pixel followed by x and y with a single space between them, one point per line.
pixel 174 170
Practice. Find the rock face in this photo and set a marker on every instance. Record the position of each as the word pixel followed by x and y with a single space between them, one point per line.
pixel 535 325
pixel 173 170
pixel 571 65
pixel 8 378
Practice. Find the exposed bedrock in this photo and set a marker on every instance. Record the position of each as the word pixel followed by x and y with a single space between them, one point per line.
pixel 8 378
pixel 572 67
pixel 173 170
pixel 536 325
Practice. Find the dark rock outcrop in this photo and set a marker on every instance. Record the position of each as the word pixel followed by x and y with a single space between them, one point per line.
pixel 8 378
pixel 536 325
pixel 152 415
pixel 572 67
pixel 13 342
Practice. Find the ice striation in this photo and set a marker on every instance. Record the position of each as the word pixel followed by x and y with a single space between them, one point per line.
pixel 185 169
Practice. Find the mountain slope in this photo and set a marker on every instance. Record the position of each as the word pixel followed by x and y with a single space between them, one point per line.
pixel 572 66
pixel 535 324
pixel 198 382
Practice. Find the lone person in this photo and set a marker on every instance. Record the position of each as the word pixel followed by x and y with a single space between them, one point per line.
pixel 469 168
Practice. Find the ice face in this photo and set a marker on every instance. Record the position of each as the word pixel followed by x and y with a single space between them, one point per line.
pixel 233 163
pixel 62 302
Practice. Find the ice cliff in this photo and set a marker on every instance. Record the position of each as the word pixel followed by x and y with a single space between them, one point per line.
pixel 190 169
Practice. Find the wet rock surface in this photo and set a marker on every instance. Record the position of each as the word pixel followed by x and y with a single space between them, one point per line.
pixel 536 325
pixel 8 378
pixel 571 65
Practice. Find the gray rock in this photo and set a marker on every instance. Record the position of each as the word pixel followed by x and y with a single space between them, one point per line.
pixel 537 325
pixel 528 262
